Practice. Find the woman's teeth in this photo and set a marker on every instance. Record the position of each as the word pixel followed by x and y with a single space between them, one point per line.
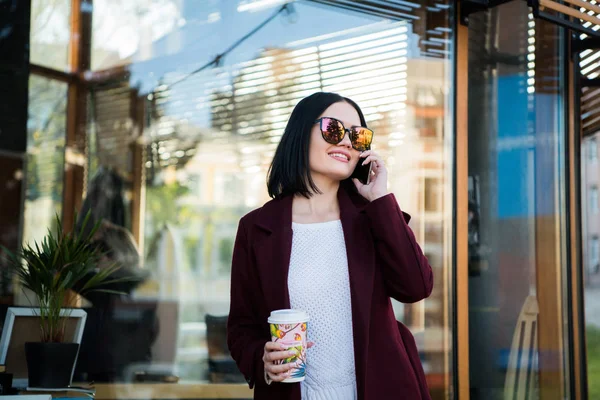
pixel 338 155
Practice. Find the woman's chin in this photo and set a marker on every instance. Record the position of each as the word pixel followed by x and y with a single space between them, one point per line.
pixel 339 176
pixel 339 173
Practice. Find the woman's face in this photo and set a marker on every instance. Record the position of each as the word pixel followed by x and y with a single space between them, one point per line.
pixel 334 161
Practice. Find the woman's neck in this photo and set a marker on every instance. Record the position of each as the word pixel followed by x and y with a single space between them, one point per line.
pixel 320 207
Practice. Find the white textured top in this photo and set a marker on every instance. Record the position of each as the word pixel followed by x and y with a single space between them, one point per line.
pixel 319 284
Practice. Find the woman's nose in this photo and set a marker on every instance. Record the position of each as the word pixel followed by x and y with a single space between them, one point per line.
pixel 346 140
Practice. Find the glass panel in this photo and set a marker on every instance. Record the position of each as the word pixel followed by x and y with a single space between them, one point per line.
pixel 126 32
pixel 590 180
pixel 516 206
pixel 46 133
pixel 209 134
pixel 50 33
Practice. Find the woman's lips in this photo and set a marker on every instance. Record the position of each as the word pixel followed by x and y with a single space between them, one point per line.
pixel 341 157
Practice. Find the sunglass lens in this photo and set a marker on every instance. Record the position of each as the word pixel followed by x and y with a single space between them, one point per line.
pixel 333 130
pixel 362 138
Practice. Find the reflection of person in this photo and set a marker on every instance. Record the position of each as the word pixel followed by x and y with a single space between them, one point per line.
pixel 106 347
pixel 105 201
pixel 337 249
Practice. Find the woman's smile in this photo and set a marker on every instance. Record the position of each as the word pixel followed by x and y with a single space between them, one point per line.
pixel 340 156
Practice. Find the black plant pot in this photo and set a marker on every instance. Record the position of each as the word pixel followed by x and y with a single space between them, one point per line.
pixel 50 365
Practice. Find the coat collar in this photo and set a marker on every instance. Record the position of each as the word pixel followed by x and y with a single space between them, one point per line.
pixel 273 249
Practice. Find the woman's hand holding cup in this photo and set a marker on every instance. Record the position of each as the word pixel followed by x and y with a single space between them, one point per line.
pixel 273 354
pixel 284 355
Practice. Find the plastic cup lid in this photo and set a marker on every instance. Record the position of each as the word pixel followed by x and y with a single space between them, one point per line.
pixel 288 316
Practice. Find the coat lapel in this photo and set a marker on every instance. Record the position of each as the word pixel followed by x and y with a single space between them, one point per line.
pixel 272 249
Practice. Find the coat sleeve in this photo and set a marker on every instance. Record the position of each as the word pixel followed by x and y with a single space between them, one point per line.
pixel 407 273
pixel 245 336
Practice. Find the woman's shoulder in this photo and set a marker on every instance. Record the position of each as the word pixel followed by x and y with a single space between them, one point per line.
pixel 265 210
pixel 251 216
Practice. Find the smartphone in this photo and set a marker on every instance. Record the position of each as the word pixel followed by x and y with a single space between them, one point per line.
pixel 363 172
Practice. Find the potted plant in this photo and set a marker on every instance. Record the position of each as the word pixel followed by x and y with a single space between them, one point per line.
pixel 52 270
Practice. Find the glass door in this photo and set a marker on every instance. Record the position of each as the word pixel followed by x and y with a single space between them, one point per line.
pixel 517 253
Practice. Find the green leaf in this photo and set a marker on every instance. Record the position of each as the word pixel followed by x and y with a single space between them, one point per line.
pixel 58 263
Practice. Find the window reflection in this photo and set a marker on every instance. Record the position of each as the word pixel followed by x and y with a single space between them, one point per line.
pixel 517 247
pixel 204 140
pixel 46 133
pixel 50 33
pixel 590 179
pixel 126 32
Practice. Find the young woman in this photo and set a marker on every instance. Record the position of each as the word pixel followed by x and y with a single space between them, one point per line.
pixel 337 249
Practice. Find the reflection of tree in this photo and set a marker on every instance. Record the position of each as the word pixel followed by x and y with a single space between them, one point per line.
pixel 161 203
pixel 33 179
pixel 46 138
pixel 116 20
pixel 50 32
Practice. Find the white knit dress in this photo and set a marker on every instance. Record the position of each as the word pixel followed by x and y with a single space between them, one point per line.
pixel 319 284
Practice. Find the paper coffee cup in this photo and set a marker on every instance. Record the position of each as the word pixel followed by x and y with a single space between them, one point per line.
pixel 289 327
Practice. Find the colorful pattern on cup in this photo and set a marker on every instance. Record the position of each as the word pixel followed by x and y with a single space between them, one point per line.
pixel 293 337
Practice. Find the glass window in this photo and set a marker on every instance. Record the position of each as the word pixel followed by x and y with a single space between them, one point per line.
pixel 517 256
pixel 134 31
pixel 590 181
pixel 46 133
pixel 50 33
pixel 179 143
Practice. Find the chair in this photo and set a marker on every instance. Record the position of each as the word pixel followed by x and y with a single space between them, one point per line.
pixel 521 376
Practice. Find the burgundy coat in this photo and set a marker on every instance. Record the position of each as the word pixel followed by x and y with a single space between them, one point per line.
pixel 384 260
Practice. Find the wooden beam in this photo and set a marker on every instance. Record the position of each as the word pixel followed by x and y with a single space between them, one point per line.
pixel 569 11
pixel 113 391
pixel 79 60
pixel 53 74
pixel 106 76
pixel 584 4
pixel 576 271
pixel 462 214
pixel 550 232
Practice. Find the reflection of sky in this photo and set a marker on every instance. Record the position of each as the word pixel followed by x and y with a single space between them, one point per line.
pixel 199 40
pixel 307 21
pixel 526 147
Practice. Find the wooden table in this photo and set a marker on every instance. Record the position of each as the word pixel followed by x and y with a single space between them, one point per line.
pixel 172 391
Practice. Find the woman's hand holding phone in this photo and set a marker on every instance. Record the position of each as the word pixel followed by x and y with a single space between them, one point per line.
pixel 377 186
